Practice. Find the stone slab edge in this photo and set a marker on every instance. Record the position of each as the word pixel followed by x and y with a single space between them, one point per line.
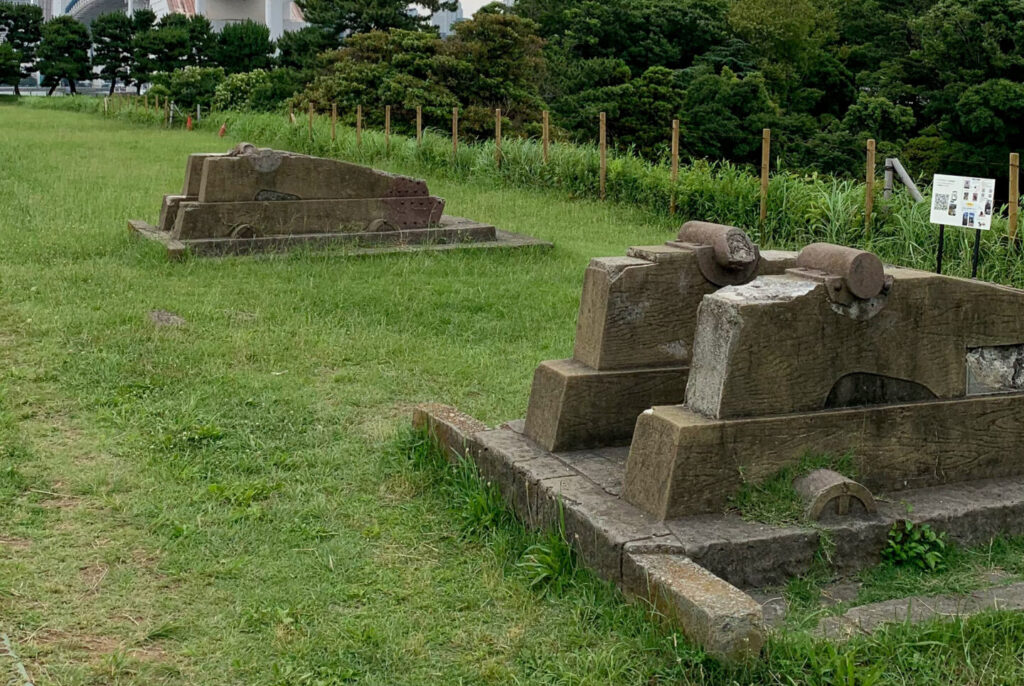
pixel 228 246
pixel 864 619
pixel 621 543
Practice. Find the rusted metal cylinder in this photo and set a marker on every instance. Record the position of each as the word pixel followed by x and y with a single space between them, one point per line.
pixel 733 249
pixel 861 270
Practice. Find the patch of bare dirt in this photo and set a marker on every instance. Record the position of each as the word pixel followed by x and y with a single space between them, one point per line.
pixel 12 543
pixel 162 318
pixel 58 501
pixel 92 644
pixel 93 576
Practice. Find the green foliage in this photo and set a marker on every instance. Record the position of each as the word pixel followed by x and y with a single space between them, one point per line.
pixel 202 41
pixel 877 117
pixel 64 52
pixel 723 115
pixel 10 65
pixel 547 561
pixel 21 29
pixel 191 86
pixel 300 49
pixel 550 564
pixel 356 570
pixel 112 46
pixel 350 17
pixel 935 82
pixel 917 545
pixel 774 500
pixel 244 46
pixel 478 503
pixel 236 91
pixel 492 61
pixel 256 90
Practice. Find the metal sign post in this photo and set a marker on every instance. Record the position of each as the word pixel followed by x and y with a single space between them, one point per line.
pixel 964 201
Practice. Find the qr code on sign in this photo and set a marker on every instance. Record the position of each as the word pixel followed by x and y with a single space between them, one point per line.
pixel 941 201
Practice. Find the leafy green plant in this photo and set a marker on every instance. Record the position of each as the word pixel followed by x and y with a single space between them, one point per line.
pixel 917 545
pixel 550 564
pixel 478 503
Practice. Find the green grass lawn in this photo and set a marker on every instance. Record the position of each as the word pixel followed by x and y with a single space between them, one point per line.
pixel 225 502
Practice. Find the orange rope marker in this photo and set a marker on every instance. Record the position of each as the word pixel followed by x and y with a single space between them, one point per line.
pixel 188 123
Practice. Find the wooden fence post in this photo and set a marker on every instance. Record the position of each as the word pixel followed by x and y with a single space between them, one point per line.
pixel 1014 198
pixel 419 124
pixel 310 134
pixel 766 165
pixel 359 125
pixel 334 120
pixel 291 113
pixel 497 136
pixel 675 165
pixel 167 111
pixel 603 145
pixel 455 133
pixel 869 181
pixel 546 136
pixel 387 130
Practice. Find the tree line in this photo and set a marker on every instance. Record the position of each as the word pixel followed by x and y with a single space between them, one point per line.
pixel 936 82
pixel 124 49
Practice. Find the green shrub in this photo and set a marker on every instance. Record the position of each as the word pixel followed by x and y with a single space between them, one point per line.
pixel 917 545
pixel 256 90
pixel 193 86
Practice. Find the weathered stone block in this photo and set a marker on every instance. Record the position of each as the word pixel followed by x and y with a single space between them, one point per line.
pixel 450 429
pixel 596 523
pixel 781 344
pixel 573 406
pixel 198 220
pixel 245 173
pixel 255 199
pixel 746 554
pixel 728 623
pixel 641 310
pixel 683 463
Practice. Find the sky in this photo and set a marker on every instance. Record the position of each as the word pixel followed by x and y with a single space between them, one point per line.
pixel 471 6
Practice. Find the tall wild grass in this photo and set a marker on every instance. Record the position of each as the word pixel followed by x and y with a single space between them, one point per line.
pixel 801 208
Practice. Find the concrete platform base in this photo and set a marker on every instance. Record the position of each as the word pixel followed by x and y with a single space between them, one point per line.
pixel 453 233
pixel 692 568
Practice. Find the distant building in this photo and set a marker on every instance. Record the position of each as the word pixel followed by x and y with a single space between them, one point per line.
pixel 278 15
pixel 445 20
pixel 45 5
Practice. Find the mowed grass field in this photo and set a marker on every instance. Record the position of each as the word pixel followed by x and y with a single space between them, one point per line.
pixel 224 502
